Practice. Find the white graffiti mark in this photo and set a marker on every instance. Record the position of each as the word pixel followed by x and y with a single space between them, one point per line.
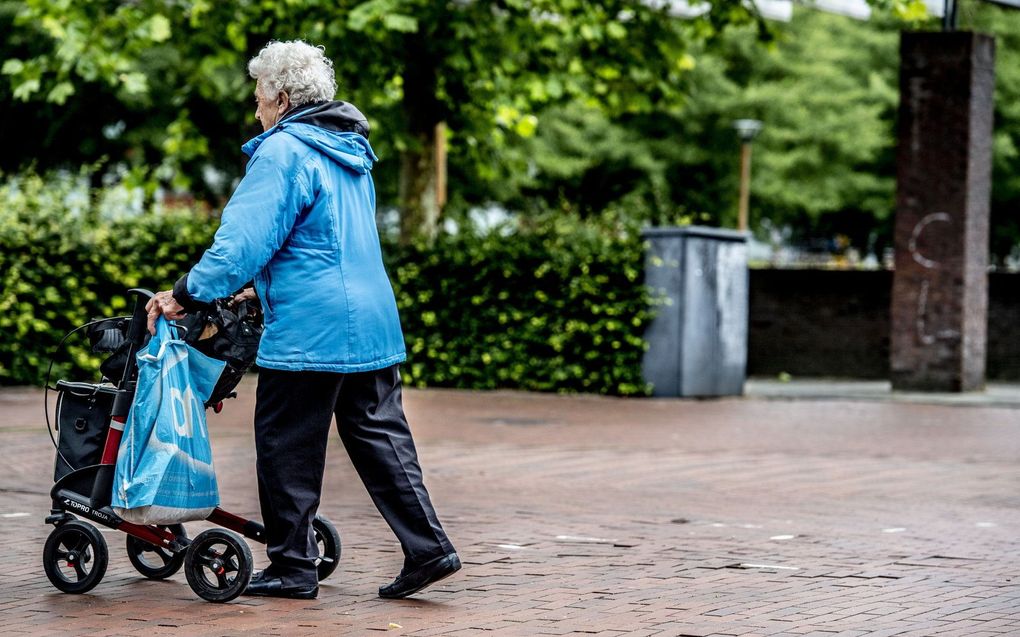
pixel 926 335
pixel 922 327
pixel 935 217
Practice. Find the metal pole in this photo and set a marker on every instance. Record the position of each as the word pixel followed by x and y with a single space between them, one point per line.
pixel 440 162
pixel 745 186
pixel 949 15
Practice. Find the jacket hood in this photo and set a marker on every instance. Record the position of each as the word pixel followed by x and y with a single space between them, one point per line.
pixel 338 130
pixel 334 116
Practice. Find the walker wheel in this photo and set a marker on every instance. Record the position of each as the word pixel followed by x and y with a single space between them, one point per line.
pixel 156 562
pixel 218 565
pixel 328 540
pixel 75 557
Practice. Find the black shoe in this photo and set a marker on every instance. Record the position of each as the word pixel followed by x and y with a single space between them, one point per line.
pixel 274 587
pixel 410 581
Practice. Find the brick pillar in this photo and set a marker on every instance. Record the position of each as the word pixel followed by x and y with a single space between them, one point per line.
pixel 940 298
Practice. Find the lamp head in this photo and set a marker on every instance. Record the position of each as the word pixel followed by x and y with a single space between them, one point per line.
pixel 747 129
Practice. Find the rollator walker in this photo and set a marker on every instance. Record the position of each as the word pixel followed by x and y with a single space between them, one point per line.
pixel 90 420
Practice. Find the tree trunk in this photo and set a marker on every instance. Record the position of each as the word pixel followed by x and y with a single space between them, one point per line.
pixel 419 206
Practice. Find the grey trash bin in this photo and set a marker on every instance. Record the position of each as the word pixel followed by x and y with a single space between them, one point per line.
pixel 698 340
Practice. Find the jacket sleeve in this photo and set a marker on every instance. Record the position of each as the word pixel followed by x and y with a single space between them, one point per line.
pixel 254 225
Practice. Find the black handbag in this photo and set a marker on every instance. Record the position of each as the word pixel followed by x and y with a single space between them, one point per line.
pixel 229 333
pixel 83 417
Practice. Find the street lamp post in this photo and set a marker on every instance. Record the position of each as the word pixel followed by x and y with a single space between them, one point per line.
pixel 747 130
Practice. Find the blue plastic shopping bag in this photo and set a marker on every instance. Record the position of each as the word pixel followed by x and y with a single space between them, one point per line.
pixel 164 472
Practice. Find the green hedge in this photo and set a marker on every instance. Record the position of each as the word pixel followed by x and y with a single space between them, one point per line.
pixel 62 263
pixel 554 306
pixel 558 306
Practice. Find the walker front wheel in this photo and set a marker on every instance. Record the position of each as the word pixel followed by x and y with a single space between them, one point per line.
pixel 218 565
pixel 156 562
pixel 328 540
pixel 75 557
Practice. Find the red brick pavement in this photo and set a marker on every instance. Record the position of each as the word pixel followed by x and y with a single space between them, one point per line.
pixel 586 515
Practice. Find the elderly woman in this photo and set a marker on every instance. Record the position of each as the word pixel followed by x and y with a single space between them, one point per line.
pixel 302 225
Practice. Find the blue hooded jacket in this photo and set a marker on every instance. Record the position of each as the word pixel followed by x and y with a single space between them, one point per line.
pixel 302 224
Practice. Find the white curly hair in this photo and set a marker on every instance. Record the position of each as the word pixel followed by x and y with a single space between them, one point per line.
pixel 295 67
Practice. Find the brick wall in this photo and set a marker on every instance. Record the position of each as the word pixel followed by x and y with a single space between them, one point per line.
pixel 836 324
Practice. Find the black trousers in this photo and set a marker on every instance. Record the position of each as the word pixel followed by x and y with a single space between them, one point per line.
pixel 292 419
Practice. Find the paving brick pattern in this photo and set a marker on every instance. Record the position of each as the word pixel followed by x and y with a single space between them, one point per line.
pixel 585 515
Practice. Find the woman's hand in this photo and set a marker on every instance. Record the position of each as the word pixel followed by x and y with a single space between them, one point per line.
pixel 163 303
pixel 247 294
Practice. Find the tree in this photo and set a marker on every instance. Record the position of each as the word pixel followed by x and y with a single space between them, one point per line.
pixel 829 95
pixel 827 90
pixel 825 87
pixel 482 67
pixel 1005 25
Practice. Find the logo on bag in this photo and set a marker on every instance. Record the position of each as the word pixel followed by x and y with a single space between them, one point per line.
pixel 183 402
pixel 183 411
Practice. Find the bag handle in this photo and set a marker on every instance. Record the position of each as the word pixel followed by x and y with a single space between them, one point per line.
pixel 164 334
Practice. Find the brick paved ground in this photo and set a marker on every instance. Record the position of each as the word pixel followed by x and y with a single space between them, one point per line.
pixel 585 515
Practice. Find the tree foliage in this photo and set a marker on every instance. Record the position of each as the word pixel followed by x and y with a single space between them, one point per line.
pixel 828 96
pixel 826 88
pixel 1005 25
pixel 826 91
pixel 176 70
pixel 550 104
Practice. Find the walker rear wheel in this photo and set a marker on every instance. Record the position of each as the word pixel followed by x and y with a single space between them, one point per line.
pixel 218 565
pixel 75 557
pixel 328 540
pixel 156 562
